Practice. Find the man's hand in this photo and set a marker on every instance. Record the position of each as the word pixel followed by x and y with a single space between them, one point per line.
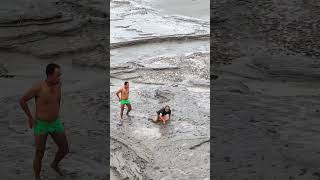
pixel 31 122
pixel 163 119
pixel 118 92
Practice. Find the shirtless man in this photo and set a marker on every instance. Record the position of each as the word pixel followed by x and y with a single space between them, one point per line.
pixel 124 99
pixel 47 96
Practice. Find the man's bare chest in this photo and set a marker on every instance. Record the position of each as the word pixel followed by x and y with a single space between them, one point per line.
pixel 124 92
pixel 49 95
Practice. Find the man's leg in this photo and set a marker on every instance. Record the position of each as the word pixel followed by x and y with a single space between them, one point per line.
pixel 63 149
pixel 156 118
pixel 129 108
pixel 121 112
pixel 40 146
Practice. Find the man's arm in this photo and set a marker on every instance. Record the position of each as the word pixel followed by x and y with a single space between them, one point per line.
pixel 118 92
pixel 25 98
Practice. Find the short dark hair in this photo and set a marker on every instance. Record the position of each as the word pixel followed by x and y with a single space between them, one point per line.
pixel 125 83
pixel 51 67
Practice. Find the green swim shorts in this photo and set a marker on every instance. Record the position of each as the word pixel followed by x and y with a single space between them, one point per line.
pixel 125 101
pixel 43 127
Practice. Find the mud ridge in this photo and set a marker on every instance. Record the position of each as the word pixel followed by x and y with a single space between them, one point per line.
pixel 158 39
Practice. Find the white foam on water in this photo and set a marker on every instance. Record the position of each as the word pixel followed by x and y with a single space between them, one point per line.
pixel 134 21
pixel 188 8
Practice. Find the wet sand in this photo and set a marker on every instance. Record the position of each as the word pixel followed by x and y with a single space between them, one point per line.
pixel 166 151
pixel 33 35
pixel 266 96
pixel 174 72
pixel 270 116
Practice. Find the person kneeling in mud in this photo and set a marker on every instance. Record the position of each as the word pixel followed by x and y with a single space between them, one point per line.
pixel 163 114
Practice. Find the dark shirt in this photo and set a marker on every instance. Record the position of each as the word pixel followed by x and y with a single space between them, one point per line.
pixel 163 112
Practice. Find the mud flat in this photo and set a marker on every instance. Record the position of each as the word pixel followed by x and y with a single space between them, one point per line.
pixel 171 147
pixel 266 96
pixel 163 66
pixel 278 133
pixel 72 34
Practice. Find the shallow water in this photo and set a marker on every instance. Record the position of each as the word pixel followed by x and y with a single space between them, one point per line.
pixel 133 20
pixel 192 8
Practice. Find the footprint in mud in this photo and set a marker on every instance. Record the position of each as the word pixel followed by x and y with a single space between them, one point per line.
pixel 303 171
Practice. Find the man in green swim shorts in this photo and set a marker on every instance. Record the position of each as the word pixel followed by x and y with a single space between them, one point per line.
pixel 47 96
pixel 124 99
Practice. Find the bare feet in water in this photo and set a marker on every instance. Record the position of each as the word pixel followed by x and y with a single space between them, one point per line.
pixel 55 167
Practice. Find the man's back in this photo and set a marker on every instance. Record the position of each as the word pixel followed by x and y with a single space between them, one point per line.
pixel 48 101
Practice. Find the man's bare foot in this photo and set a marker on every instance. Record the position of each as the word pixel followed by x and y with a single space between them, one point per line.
pixel 55 167
pixel 120 123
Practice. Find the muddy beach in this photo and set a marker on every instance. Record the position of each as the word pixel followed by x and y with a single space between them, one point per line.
pixel 72 34
pixel 266 96
pixel 164 65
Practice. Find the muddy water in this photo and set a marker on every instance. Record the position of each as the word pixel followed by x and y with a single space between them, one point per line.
pixel 134 20
pixel 171 71
pixel 192 8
